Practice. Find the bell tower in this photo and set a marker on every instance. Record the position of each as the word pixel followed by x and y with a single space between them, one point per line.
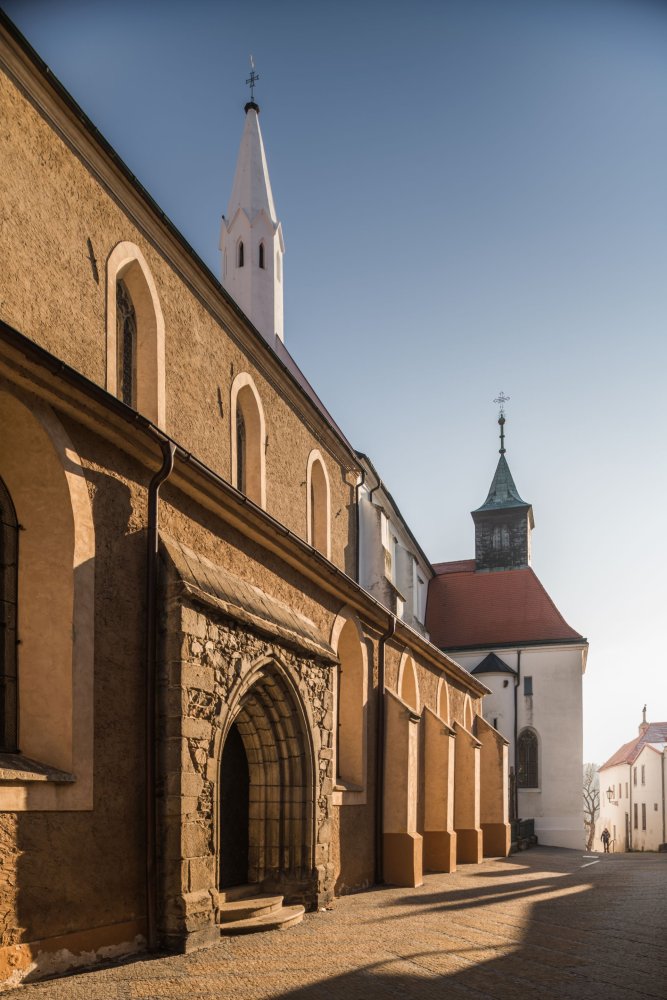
pixel 251 238
pixel 504 522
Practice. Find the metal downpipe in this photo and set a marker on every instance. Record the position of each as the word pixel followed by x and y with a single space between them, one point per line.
pixel 163 473
pixel 379 754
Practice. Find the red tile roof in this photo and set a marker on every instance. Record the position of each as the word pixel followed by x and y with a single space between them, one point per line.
pixel 656 732
pixel 468 610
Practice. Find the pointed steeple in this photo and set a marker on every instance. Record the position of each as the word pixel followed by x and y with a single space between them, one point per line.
pixel 504 521
pixel 251 238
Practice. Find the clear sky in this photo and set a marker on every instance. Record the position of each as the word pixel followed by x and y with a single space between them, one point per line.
pixel 474 198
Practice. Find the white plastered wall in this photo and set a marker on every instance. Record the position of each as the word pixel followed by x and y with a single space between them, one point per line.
pixel 554 711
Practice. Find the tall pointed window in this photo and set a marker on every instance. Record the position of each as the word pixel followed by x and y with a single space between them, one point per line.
pixel 9 539
pixel 527 753
pixel 240 451
pixel 239 254
pixel 248 440
pixel 126 341
pixel 318 504
pixel 261 255
pixel 351 708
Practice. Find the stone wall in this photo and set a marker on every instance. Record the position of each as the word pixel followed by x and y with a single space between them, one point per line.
pixel 214 669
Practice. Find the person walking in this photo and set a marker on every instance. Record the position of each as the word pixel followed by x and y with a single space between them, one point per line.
pixel 605 837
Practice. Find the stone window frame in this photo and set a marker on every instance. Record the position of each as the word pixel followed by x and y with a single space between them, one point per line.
pixel 255 429
pixel 348 793
pixel 55 668
pixel 126 261
pixel 318 504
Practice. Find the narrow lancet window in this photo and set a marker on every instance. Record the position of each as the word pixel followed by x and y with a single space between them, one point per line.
pixel 126 339
pixel 240 451
pixel 527 759
pixel 9 538
pixel 261 255
pixel 239 255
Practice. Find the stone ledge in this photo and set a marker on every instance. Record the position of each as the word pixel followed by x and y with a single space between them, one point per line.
pixel 14 767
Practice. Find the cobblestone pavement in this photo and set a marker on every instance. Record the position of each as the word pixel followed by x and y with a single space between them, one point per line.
pixel 543 923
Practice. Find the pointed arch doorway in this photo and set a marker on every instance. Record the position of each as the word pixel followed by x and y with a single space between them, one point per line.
pixel 266 780
pixel 234 807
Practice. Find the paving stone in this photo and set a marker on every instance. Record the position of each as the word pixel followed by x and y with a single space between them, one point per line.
pixel 536 924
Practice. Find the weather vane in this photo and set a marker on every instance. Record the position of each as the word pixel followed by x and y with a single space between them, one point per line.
pixel 252 79
pixel 500 400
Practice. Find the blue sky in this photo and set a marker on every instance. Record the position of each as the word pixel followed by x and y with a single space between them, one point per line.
pixel 473 198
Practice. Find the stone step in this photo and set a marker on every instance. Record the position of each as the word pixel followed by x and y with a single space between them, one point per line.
pixel 238 892
pixel 280 920
pixel 252 906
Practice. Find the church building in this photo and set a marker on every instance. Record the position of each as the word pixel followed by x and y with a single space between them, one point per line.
pixel 219 709
pixel 494 616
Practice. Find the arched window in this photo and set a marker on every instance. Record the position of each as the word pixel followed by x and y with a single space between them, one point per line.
pixel 248 439
pixel 135 334
pixel 527 759
pixel 261 255
pixel 239 254
pixel 318 504
pixel 126 344
pixel 240 451
pixel 408 688
pixel 9 541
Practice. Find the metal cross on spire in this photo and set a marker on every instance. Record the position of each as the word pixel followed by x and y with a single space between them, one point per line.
pixel 252 79
pixel 500 400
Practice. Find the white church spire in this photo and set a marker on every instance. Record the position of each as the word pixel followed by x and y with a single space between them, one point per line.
pixel 251 238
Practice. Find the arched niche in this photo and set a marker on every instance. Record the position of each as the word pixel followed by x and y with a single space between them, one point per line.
pixel 55 603
pixel 468 713
pixel 408 683
pixel 347 639
pixel 318 504
pixel 126 263
pixel 442 708
pixel 248 437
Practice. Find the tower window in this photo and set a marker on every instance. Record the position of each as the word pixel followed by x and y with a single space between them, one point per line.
pixel 278 267
pixel 126 340
pixel 528 686
pixel 239 254
pixel 261 255
pixel 8 600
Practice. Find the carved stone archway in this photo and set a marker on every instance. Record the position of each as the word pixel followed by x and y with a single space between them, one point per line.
pixel 270 718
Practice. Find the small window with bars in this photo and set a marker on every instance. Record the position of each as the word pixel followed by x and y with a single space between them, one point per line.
pixel 527 759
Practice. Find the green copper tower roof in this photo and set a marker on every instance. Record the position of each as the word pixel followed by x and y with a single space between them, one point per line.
pixel 503 493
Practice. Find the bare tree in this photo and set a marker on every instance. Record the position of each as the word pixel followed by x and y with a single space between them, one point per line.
pixel 591 801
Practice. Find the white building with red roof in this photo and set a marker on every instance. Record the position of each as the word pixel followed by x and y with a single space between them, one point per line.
pixel 632 791
pixel 493 615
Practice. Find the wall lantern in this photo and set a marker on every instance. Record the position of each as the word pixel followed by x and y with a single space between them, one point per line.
pixel 610 794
